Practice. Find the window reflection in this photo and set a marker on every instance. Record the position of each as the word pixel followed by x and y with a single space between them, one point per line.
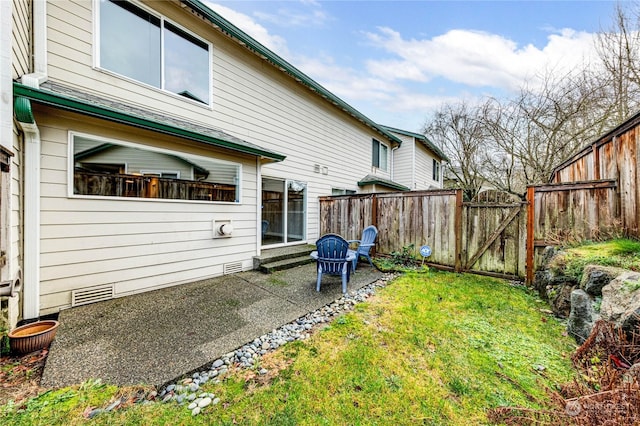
pixel 110 169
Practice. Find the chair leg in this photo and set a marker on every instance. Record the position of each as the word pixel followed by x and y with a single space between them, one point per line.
pixel 370 262
pixel 354 263
pixel 319 279
pixel 344 281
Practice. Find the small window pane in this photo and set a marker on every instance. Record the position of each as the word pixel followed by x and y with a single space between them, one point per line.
pixel 376 153
pixel 117 170
pixel 130 41
pixel 186 64
pixel 383 157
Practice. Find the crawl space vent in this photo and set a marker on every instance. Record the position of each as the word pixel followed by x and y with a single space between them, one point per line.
pixel 232 268
pixel 91 295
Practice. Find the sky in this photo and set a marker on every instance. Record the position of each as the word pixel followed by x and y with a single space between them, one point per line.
pixel 398 61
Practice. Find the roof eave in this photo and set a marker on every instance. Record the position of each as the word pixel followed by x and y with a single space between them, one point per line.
pixel 80 107
pixel 253 45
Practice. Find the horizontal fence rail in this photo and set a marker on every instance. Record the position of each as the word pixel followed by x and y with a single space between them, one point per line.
pixel 503 238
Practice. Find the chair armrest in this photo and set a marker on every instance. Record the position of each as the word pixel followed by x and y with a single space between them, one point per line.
pixel 353 241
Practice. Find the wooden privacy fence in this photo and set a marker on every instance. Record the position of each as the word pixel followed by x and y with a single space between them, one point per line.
pixel 500 237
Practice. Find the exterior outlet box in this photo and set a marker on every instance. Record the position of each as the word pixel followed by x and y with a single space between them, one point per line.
pixel 222 228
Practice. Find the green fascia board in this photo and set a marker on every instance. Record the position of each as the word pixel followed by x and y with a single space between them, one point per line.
pixel 421 138
pixel 250 43
pixel 74 105
pixel 383 182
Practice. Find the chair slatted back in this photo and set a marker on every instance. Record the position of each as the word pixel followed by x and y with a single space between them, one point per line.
pixel 332 253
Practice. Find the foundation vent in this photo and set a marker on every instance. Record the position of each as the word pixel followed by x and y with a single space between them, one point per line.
pixel 232 268
pixel 91 295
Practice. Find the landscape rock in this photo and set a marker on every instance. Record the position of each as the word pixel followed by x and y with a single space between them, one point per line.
pixel 621 301
pixel 595 277
pixel 581 317
pixel 561 299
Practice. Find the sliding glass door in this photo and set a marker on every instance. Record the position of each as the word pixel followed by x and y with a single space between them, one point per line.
pixel 283 211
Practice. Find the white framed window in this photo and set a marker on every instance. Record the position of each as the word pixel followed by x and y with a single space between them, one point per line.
pixel 436 170
pixel 101 167
pixel 380 155
pixel 142 45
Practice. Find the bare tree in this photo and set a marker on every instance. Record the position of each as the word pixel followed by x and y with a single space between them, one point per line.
pixel 458 129
pixel 619 51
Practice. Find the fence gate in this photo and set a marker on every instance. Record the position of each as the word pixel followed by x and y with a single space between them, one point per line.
pixel 494 235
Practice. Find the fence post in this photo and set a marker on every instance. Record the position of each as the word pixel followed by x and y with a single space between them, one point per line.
pixel 458 231
pixel 531 211
pixel 374 219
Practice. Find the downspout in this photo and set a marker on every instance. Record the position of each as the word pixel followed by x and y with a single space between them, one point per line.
pixel 258 207
pixel 393 163
pixel 31 167
pixel 31 285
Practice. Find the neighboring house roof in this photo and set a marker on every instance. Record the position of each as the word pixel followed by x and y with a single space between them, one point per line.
pixel 66 98
pixel 422 138
pixel 88 153
pixel 377 180
pixel 251 44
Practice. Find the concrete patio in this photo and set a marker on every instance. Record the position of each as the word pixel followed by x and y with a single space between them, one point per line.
pixel 158 336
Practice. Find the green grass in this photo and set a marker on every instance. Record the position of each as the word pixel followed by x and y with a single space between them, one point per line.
pixel 621 253
pixel 431 348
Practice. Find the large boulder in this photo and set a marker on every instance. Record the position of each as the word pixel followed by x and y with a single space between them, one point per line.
pixel 594 277
pixel 552 284
pixel 581 317
pixel 621 301
pixel 560 298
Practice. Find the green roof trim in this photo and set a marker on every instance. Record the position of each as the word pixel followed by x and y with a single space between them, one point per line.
pixel 22 109
pixel 422 138
pixel 250 43
pixel 92 109
pixel 375 180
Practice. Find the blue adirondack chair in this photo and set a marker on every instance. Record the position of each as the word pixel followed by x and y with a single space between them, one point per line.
pixel 333 253
pixel 367 241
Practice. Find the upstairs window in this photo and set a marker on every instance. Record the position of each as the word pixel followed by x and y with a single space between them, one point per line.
pixel 379 155
pixel 147 48
pixel 436 170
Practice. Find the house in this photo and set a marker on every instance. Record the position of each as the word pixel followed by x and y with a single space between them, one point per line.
pixel 417 163
pixel 134 163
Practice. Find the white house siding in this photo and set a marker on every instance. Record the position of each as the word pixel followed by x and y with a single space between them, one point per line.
pixel 403 162
pixel 251 100
pixel 20 44
pixel 134 245
pixel 424 168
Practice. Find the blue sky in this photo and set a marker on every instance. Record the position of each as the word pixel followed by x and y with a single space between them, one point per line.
pixel 396 61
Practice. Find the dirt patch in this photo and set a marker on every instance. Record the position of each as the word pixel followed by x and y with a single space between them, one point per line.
pixel 20 376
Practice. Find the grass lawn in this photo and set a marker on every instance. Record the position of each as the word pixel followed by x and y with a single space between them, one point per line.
pixel 431 348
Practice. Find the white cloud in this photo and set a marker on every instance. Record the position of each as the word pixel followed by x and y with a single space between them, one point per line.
pixel 247 24
pixel 287 17
pixel 476 58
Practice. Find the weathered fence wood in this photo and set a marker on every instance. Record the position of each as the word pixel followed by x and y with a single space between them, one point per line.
pixel 495 238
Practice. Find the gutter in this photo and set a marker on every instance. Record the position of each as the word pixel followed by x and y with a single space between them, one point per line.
pixel 257 48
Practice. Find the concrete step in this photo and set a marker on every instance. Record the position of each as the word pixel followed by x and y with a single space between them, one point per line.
pixel 282 253
pixel 287 263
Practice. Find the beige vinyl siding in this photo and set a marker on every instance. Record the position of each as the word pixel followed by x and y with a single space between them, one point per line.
pixel 134 245
pixel 424 168
pixel 251 100
pixel 21 33
pixel 403 162
pixel 16 214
